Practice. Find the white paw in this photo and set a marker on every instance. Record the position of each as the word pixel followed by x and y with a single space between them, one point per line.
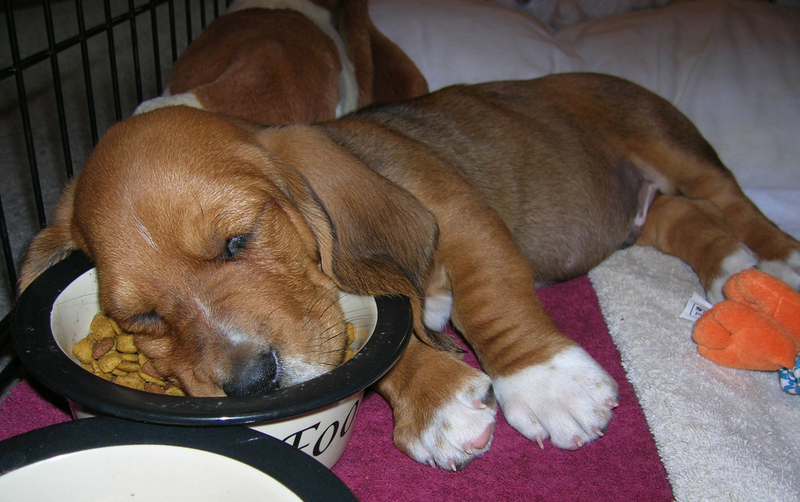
pixel 732 264
pixel 568 399
pixel 788 271
pixel 460 430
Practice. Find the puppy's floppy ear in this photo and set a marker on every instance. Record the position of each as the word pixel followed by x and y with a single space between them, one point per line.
pixel 374 237
pixel 383 71
pixel 53 243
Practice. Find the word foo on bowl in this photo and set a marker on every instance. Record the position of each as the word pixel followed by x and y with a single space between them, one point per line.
pixel 315 416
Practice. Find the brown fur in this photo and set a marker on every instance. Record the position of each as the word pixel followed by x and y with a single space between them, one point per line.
pixel 274 66
pixel 480 191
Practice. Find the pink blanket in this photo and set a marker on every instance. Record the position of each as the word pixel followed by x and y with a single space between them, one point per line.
pixel 622 466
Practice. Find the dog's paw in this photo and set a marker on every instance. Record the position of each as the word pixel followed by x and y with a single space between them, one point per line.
pixel 456 432
pixel 568 399
pixel 742 259
pixel 788 271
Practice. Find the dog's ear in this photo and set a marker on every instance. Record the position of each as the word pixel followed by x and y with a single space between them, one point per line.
pixel 374 237
pixel 53 243
pixel 383 71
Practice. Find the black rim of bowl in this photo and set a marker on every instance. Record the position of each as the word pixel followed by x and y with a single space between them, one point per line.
pixel 41 355
pixel 288 466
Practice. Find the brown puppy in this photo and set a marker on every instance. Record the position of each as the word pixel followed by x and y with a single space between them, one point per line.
pixel 223 244
pixel 290 61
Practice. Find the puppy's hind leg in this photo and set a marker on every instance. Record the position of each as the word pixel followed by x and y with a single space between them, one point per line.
pixel 708 221
pixel 695 231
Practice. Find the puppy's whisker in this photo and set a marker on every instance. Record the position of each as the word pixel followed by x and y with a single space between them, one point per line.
pixel 332 336
pixel 318 297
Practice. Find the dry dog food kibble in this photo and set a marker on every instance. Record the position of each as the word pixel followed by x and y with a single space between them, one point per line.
pixel 351 337
pixel 110 353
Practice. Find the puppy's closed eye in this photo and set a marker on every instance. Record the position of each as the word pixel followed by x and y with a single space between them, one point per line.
pixel 146 318
pixel 234 246
pixel 150 322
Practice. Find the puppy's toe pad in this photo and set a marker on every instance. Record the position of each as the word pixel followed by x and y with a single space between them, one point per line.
pixel 569 399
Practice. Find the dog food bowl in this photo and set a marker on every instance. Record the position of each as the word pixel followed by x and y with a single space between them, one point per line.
pixel 315 416
pixel 105 458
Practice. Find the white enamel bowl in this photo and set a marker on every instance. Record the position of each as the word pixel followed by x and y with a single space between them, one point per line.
pixel 108 459
pixel 55 311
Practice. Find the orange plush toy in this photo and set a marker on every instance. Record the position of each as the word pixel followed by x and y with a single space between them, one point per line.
pixel 757 327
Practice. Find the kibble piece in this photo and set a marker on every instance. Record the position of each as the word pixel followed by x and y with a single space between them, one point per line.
pixel 132 381
pixel 115 326
pixel 153 388
pixel 173 390
pixel 128 366
pixel 101 328
pixel 148 368
pixel 125 344
pixel 102 347
pixel 83 351
pixel 351 337
pixel 151 379
pixel 109 362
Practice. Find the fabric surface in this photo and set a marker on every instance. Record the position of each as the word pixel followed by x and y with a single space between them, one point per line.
pixel 27 407
pixel 723 434
pixel 622 466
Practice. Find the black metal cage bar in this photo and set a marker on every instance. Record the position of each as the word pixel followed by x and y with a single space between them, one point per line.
pixel 69 69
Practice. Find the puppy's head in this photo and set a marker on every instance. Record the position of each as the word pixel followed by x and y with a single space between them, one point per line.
pixel 219 254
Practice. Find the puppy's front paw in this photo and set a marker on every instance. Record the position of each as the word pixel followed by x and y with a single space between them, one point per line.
pixel 568 399
pixel 456 432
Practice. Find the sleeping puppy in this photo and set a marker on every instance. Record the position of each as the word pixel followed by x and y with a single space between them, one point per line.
pixel 223 244
pixel 290 61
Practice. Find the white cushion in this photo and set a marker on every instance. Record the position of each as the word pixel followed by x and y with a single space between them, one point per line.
pixel 733 67
pixel 471 41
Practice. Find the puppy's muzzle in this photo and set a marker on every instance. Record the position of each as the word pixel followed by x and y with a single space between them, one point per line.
pixel 258 376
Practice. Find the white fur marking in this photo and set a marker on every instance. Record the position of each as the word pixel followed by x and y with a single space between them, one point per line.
pixel 348 85
pixel 144 233
pixel 739 260
pixel 646 198
pixel 568 399
pixel 788 271
pixel 437 311
pixel 182 99
pixel 295 370
pixel 456 424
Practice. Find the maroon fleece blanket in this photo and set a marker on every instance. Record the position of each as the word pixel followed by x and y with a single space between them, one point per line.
pixel 622 466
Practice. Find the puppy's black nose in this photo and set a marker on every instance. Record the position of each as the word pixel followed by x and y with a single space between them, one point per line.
pixel 259 376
